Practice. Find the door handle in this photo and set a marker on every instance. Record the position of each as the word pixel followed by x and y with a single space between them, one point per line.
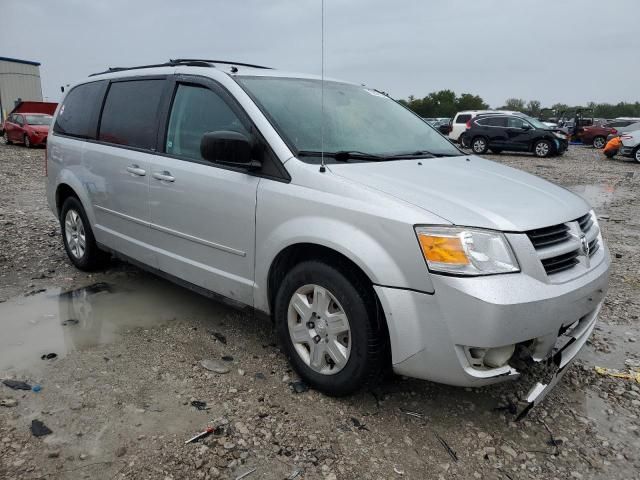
pixel 136 170
pixel 164 176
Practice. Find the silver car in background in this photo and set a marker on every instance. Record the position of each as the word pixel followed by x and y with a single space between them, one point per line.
pixel 368 238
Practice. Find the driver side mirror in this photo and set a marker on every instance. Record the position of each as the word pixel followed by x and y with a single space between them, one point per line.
pixel 526 126
pixel 228 148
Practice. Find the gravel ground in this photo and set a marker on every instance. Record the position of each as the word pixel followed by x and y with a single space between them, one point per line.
pixel 118 396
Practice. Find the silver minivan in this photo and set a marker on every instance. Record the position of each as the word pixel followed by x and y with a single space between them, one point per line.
pixel 369 239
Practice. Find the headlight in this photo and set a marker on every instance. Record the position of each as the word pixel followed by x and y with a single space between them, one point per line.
pixel 466 251
pixel 560 136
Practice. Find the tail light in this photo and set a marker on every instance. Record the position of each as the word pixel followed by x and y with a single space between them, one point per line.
pixel 468 124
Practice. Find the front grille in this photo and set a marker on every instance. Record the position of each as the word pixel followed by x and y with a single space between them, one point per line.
pixel 559 247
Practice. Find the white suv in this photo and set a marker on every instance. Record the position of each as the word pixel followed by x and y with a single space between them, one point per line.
pixel 368 238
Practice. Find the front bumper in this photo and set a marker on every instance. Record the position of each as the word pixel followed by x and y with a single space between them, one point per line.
pixel 626 151
pixel 430 333
pixel 37 139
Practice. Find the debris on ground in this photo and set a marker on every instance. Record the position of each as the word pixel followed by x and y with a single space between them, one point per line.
pixel 358 424
pixel 610 372
pixel 8 402
pixel 227 358
pixel 220 337
pixel 215 366
pixel 412 414
pixel 70 321
pixel 299 386
pixel 35 292
pixel 295 474
pixel 39 429
pixel 36 388
pixel 199 405
pixel 446 446
pixel 398 470
pixel 49 356
pixel 246 474
pixel 17 384
pixel 200 435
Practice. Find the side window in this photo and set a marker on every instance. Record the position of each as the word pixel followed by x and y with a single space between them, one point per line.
pixel 463 118
pixel 196 111
pixel 130 113
pixel 515 122
pixel 19 120
pixel 497 121
pixel 77 115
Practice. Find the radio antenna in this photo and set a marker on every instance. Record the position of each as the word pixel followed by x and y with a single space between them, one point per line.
pixel 322 166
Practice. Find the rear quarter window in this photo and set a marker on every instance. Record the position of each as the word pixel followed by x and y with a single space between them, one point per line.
pixel 130 113
pixel 78 114
pixel 463 118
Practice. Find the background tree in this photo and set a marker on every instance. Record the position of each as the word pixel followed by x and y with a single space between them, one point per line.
pixel 515 104
pixel 533 108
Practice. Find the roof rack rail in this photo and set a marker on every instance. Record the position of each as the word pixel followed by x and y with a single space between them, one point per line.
pixel 182 61
pixel 192 62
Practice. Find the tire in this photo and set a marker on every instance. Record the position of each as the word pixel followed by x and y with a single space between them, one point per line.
pixel 636 154
pixel 462 140
pixel 497 151
pixel 599 142
pixel 76 231
pixel 361 349
pixel 5 135
pixel 542 148
pixel 479 145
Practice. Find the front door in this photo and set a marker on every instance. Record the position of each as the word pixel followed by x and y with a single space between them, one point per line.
pixel 118 167
pixel 519 133
pixel 203 214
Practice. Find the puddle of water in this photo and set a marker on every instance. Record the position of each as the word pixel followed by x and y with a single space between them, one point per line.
pixel 598 195
pixel 55 321
pixel 620 349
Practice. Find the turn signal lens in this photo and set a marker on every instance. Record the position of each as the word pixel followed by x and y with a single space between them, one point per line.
pixel 466 251
pixel 443 249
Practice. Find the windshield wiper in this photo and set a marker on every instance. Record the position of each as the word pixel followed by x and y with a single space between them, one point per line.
pixel 343 155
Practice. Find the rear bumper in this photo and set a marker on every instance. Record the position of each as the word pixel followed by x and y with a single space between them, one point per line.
pixel 431 334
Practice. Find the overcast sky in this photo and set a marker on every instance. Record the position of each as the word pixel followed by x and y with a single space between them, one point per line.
pixel 570 51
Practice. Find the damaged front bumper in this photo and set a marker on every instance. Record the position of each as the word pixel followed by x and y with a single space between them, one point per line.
pixel 445 336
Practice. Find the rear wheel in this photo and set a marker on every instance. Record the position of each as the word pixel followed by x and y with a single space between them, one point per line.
pixel 325 321
pixel 463 141
pixel 78 238
pixel 27 141
pixel 5 136
pixel 479 145
pixel 542 148
pixel 599 142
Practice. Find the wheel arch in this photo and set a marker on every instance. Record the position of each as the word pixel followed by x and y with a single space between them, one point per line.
pixel 68 184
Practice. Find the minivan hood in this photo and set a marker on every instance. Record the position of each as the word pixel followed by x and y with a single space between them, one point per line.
pixel 470 191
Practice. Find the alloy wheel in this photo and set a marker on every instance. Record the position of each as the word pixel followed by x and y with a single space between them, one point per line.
pixel 75 233
pixel 599 142
pixel 479 145
pixel 542 149
pixel 637 154
pixel 319 329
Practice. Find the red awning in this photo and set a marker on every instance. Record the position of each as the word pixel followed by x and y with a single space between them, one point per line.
pixel 35 107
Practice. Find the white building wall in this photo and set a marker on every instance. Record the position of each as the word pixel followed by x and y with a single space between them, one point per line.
pixel 18 81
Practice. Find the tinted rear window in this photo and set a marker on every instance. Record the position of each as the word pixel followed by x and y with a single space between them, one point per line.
pixel 130 113
pixel 493 122
pixel 463 118
pixel 78 113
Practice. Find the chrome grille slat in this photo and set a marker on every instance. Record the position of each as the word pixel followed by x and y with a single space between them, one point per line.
pixel 559 249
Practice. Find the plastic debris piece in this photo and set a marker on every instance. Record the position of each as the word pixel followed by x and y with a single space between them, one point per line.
pixel 446 446
pixel 200 435
pixel 227 358
pixel 8 402
pixel 49 356
pixel 295 474
pixel 70 322
pixel 299 386
pixel 398 470
pixel 199 405
pixel 246 474
pixel 610 372
pixel 17 384
pixel 36 388
pixel 215 366
pixel 39 429
pixel 358 424
pixel 412 414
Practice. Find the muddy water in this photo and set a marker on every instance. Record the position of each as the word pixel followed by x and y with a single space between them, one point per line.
pixel 598 195
pixel 56 321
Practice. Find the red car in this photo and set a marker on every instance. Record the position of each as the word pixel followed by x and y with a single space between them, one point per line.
pixel 29 123
pixel 595 135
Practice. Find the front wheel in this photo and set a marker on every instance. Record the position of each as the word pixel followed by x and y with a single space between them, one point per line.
pixel 599 142
pixel 325 319
pixel 542 148
pixel 78 238
pixel 5 136
pixel 636 154
pixel 479 145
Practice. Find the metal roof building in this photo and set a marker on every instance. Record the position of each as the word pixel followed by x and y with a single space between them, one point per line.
pixel 19 80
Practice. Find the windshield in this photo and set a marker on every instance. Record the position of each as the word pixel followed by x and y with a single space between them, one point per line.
pixel 355 118
pixel 537 123
pixel 38 119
